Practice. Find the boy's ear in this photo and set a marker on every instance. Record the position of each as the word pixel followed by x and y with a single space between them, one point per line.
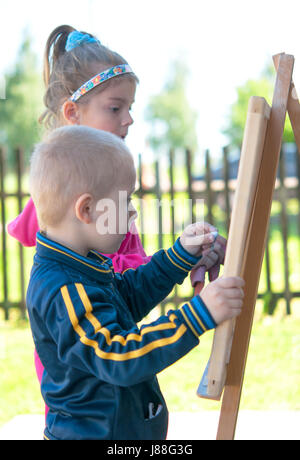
pixel 83 208
pixel 70 112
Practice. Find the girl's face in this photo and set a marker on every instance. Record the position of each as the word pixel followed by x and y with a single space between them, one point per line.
pixel 110 109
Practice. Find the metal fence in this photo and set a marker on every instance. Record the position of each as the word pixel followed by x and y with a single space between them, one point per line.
pixel 177 182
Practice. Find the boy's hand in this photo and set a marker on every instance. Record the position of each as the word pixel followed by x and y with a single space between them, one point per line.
pixel 198 237
pixel 224 297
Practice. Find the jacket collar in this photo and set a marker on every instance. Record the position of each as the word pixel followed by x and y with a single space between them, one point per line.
pixel 94 265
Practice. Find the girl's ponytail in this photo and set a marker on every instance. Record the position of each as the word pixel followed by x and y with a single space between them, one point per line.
pixel 57 39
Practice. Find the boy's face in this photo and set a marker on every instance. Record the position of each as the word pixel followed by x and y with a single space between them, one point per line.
pixel 110 109
pixel 114 216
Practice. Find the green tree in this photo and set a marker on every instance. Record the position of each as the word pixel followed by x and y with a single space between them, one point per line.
pixel 23 102
pixel 262 87
pixel 172 120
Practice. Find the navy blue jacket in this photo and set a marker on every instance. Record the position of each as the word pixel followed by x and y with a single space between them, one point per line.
pixel 100 367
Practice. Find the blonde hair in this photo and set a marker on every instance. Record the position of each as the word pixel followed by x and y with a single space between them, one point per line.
pixel 74 160
pixel 65 71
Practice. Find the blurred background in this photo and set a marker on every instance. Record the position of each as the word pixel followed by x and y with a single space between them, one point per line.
pixel 198 63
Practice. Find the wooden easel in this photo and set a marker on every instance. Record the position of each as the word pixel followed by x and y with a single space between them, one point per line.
pixel 247 237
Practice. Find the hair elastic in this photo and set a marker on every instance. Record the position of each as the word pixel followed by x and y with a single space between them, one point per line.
pixel 100 78
pixel 77 38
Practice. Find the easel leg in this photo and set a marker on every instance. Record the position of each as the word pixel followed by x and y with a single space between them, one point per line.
pixel 293 106
pixel 256 245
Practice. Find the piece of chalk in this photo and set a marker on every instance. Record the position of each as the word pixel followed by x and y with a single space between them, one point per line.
pixel 215 234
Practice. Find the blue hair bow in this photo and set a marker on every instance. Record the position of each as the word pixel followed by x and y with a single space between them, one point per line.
pixel 76 38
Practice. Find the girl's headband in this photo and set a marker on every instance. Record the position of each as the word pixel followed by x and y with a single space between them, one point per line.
pixel 77 38
pixel 100 78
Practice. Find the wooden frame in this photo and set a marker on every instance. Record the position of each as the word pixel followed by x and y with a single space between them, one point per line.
pixel 251 156
pixel 293 106
pixel 231 340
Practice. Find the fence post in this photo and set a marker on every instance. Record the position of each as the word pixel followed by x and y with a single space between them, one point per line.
pixel 226 187
pixel 140 194
pixel 209 196
pixel 284 227
pixel 172 216
pixel 171 177
pixel 3 236
pixel 188 155
pixel 158 196
pixel 298 189
pixel 20 170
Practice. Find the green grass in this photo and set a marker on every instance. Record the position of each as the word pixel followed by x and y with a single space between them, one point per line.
pixel 271 380
pixel 19 385
pixel 272 372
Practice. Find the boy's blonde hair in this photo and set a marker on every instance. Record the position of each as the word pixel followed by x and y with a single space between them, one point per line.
pixel 74 160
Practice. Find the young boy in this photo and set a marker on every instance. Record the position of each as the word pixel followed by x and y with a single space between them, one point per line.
pixel 100 367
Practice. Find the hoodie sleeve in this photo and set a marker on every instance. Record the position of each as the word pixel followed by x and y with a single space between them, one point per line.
pixel 25 226
pixel 88 331
pixel 146 286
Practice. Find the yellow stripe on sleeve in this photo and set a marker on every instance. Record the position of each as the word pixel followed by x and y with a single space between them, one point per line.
pixel 71 311
pixel 189 323
pixel 117 338
pixel 111 355
pixel 181 258
pixel 181 268
pixel 88 307
pixel 197 317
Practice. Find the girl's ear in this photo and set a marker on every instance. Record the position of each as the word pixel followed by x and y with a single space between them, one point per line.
pixel 70 112
pixel 84 209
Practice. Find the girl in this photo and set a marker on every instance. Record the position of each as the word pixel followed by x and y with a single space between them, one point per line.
pixel 75 63
pixel 72 58
pixel 88 84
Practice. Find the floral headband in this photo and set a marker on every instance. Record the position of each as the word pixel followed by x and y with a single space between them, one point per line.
pixel 77 38
pixel 100 78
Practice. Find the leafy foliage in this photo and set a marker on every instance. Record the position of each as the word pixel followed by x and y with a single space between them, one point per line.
pixel 262 87
pixel 20 109
pixel 173 121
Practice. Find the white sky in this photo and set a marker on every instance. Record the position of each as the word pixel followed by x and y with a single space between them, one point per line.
pixel 225 43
